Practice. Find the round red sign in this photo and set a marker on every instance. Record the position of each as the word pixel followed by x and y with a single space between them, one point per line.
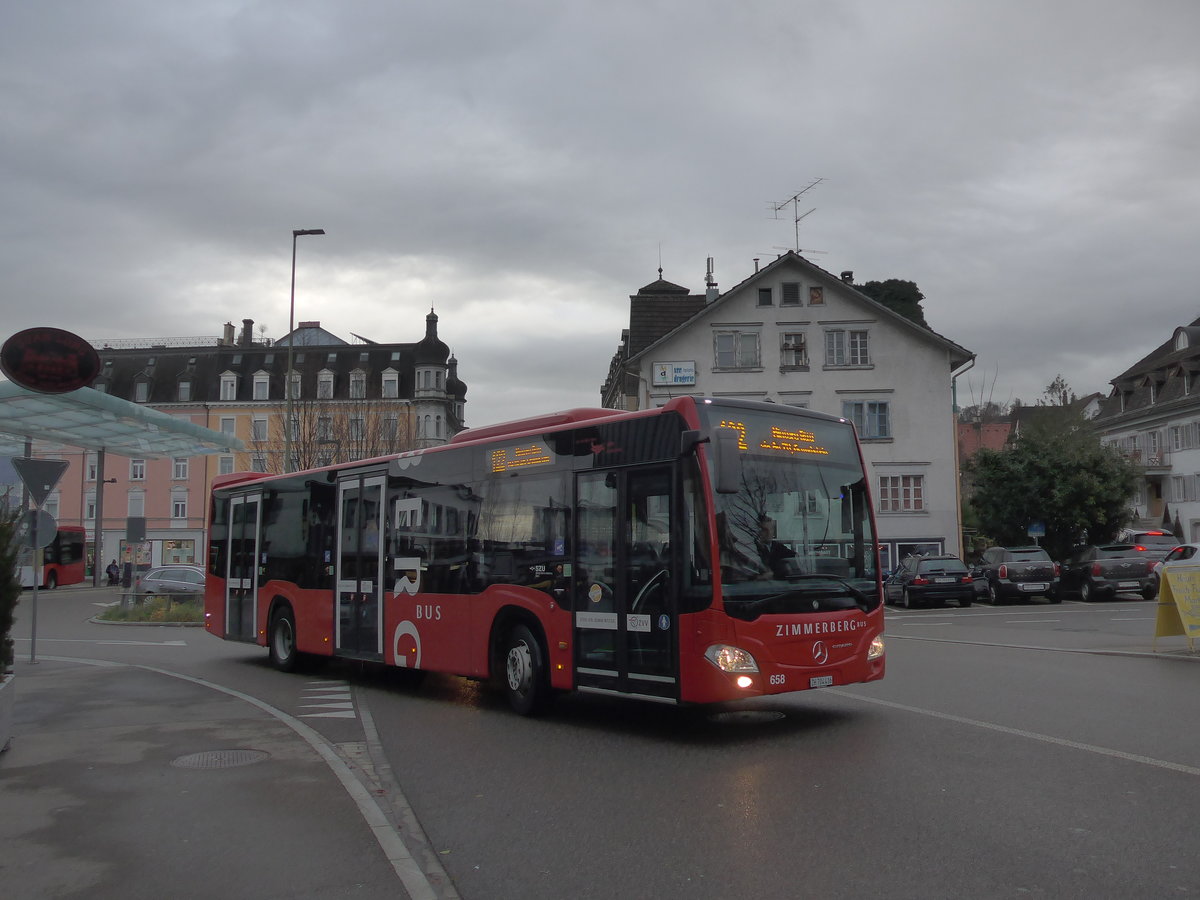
pixel 49 360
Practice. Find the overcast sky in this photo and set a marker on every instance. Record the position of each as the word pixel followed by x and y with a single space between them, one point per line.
pixel 520 166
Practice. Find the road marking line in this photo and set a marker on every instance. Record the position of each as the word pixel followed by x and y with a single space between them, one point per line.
pixel 1030 621
pixel 1020 732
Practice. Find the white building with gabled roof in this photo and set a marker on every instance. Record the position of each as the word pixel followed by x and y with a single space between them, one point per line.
pixel 793 333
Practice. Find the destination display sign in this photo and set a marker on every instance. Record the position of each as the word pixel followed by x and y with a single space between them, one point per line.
pixel 765 437
pixel 520 456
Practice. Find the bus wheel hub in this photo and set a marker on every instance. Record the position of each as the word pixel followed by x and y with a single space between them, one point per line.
pixel 519 667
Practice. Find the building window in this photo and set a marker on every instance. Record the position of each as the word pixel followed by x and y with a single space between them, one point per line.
pixel 391 385
pixel 901 493
pixel 184 394
pixel 793 351
pixel 357 429
pixel 391 427
pixel 791 294
pixel 324 385
pixel 325 428
pixel 816 296
pixel 358 384
pixel 179 506
pixel 135 503
pixel 228 425
pixel 89 507
pixel 736 350
pixel 870 418
pixel 294 382
pixel 141 392
pixel 258 462
pixel 92 464
pixel 180 468
pixel 764 297
pixel 137 470
pixel 258 428
pixel 847 348
pixel 229 387
pixel 225 465
pixel 262 386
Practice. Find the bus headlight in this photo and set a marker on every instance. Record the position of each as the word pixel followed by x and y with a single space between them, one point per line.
pixel 876 649
pixel 730 659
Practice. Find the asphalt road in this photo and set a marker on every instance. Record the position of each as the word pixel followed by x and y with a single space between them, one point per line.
pixel 1013 751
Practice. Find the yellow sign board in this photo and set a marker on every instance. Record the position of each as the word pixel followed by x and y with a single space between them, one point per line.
pixel 1179 603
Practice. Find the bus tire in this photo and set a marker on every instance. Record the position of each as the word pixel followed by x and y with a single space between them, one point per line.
pixel 51 581
pixel 524 676
pixel 282 640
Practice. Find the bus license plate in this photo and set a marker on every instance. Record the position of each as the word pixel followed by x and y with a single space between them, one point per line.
pixel 820 681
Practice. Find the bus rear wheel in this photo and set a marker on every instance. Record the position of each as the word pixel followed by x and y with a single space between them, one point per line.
pixel 525 673
pixel 282 643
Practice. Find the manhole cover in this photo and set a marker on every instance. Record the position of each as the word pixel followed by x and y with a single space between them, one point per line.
pixel 220 759
pixel 746 717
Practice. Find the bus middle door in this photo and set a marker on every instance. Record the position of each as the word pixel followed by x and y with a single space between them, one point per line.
pixel 241 575
pixel 625 611
pixel 360 567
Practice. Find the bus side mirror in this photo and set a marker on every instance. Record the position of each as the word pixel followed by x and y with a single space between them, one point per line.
pixel 688 441
pixel 726 460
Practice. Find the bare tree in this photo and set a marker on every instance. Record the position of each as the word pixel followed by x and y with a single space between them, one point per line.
pixel 327 431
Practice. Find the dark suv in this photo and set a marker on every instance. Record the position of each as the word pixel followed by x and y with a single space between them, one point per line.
pixel 930 581
pixel 1013 573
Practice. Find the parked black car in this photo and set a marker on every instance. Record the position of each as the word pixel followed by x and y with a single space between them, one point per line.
pixel 1109 569
pixel 1014 573
pixel 930 581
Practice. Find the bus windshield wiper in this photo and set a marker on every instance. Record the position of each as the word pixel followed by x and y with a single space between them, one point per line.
pixel 861 600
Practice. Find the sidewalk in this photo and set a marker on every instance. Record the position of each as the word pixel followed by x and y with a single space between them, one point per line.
pixel 126 782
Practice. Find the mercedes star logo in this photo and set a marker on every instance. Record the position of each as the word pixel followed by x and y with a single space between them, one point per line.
pixel 820 652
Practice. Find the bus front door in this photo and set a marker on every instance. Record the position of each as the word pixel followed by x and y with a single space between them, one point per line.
pixel 241 576
pixel 625 610
pixel 360 567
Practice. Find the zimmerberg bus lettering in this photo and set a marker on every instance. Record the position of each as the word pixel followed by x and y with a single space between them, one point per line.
pixel 805 628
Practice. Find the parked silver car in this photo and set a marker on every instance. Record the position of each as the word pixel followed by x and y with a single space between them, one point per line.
pixel 176 579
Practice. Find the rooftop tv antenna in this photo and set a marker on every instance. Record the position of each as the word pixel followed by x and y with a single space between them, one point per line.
pixel 776 208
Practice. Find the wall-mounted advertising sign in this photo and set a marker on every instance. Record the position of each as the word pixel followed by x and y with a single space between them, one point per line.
pixel 49 360
pixel 673 373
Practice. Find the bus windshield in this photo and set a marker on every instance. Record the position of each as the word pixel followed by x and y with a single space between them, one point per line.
pixel 797 536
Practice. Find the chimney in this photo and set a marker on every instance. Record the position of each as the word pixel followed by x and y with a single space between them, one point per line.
pixel 848 277
pixel 227 338
pixel 247 332
pixel 756 265
pixel 710 285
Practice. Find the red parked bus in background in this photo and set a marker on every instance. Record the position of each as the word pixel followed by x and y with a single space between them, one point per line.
pixel 704 551
pixel 63 560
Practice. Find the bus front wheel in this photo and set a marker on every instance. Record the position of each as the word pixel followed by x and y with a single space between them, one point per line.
pixel 525 674
pixel 51 581
pixel 283 640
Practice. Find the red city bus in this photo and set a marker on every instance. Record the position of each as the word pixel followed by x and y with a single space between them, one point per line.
pixel 705 551
pixel 63 560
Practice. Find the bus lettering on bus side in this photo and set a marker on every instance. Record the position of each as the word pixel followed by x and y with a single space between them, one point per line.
pixel 408 576
pixel 429 611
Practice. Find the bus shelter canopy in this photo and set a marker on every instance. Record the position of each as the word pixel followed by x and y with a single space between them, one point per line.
pixel 92 420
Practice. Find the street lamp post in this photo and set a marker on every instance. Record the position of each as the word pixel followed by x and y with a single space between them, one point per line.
pixel 287 376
